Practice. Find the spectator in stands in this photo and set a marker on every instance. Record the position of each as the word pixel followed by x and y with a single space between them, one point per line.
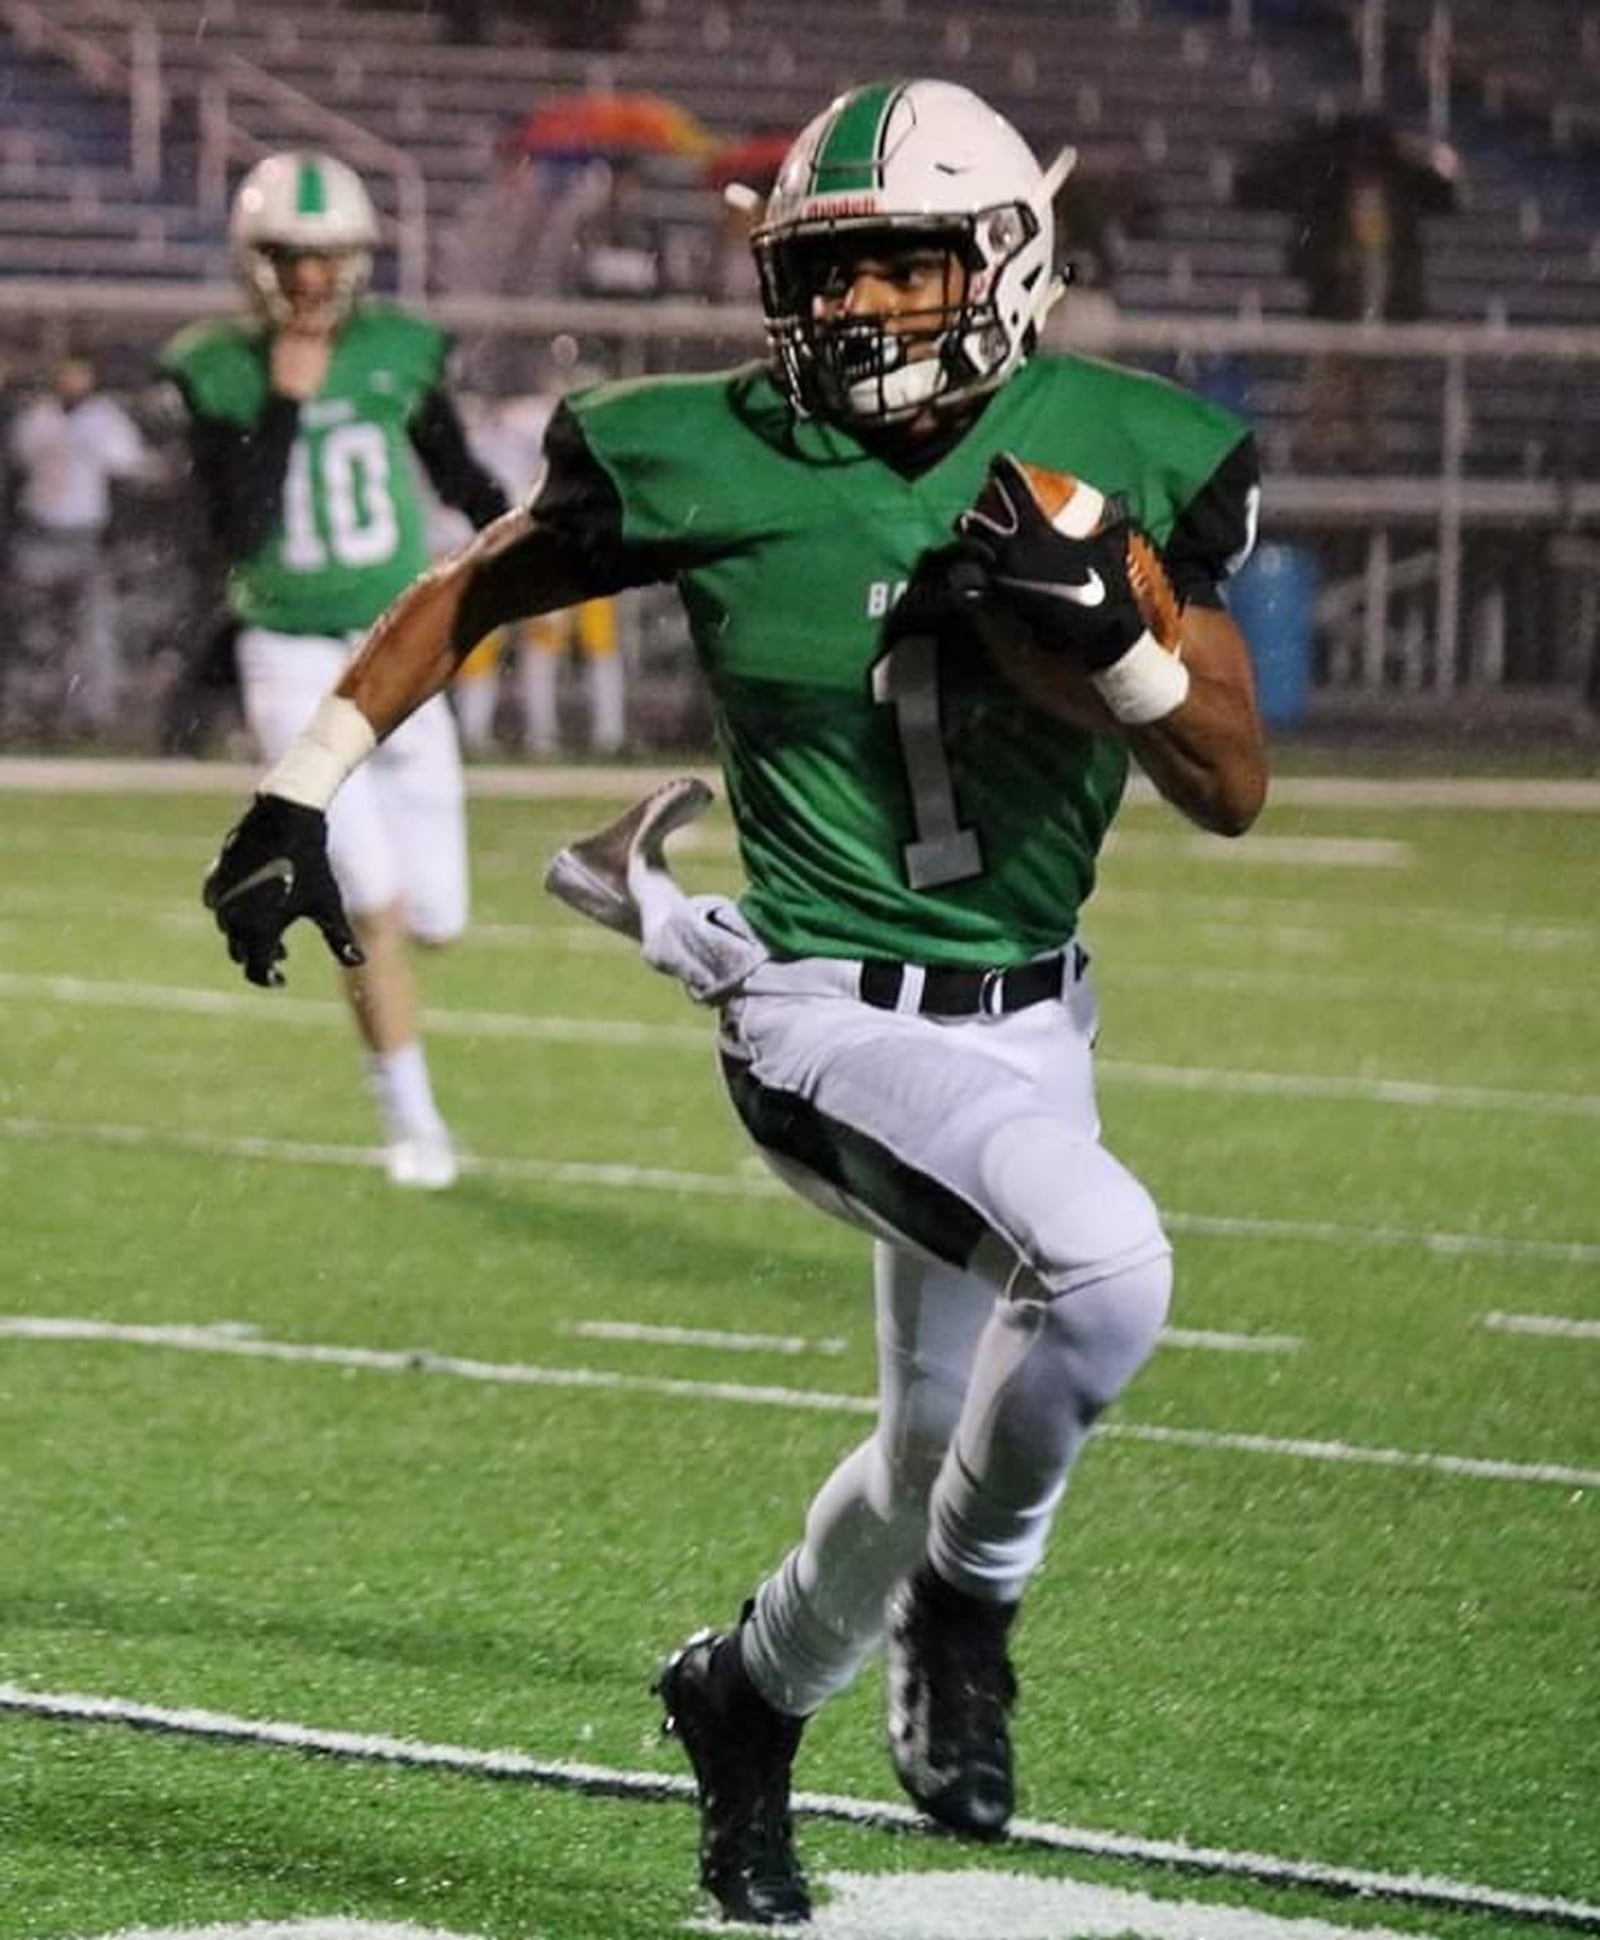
pixel 466 21
pixel 494 229
pixel 62 665
pixel 599 236
pixel 304 419
pixel 493 248
pixel 1357 191
pixel 595 24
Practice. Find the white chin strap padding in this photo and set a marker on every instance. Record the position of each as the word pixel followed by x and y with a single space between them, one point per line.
pixel 912 383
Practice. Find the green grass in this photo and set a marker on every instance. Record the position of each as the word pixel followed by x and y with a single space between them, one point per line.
pixel 1381 1668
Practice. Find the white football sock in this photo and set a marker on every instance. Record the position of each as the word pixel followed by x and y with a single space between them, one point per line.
pixel 405 1096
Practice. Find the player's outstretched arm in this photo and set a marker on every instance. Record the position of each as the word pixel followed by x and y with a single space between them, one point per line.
pixel 273 865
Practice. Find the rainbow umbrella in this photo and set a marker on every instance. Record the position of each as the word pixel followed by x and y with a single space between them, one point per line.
pixel 573 126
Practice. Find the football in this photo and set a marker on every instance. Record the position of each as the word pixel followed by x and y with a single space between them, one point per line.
pixel 1047 680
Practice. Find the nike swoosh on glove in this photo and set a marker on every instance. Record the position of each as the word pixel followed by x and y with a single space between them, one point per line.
pixel 273 868
pixel 1076 594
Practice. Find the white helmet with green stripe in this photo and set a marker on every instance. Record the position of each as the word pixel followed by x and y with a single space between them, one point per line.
pixel 301 203
pixel 905 162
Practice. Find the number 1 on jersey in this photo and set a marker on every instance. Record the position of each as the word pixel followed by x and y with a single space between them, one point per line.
pixel 907 679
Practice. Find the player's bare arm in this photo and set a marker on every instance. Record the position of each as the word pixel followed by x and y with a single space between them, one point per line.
pixel 1208 757
pixel 273 865
pixel 414 649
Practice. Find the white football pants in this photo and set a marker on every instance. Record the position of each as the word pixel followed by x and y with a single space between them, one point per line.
pixel 397 829
pixel 1022 1279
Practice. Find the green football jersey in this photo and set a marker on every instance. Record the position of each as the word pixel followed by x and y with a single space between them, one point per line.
pixel 892 799
pixel 351 535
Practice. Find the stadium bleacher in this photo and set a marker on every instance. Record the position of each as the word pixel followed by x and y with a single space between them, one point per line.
pixel 1167 92
pixel 1167 95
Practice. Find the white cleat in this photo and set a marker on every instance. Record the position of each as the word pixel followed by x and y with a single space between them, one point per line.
pixel 594 874
pixel 422 1164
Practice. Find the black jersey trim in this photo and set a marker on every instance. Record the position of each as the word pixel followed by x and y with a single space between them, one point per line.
pixel 1213 527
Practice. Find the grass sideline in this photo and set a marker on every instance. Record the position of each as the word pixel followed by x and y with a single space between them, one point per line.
pixel 1364 1668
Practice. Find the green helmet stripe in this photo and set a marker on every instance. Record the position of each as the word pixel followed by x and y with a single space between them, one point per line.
pixel 850 155
pixel 310 191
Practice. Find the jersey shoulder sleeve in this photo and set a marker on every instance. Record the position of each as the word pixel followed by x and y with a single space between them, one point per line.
pixel 682 454
pixel 1215 532
pixel 1203 466
pixel 1185 466
pixel 411 348
pixel 218 367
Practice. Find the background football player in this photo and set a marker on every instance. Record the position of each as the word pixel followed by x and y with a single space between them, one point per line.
pixel 909 1041
pixel 303 417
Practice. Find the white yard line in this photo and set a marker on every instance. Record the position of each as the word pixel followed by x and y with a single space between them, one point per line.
pixel 1478 1468
pixel 564 1172
pixel 1325 918
pixel 203 1002
pixel 279 1007
pixel 609 1782
pixel 754 1183
pixel 1205 1339
pixel 1567 1252
pixel 1309 984
pixel 1556 1326
pixel 413 1361
pixel 1268 851
pixel 44 775
pixel 634 1330
pixel 1210 1340
pixel 1372 1091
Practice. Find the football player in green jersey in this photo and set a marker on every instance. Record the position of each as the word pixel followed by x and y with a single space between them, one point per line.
pixel 303 420
pixel 905 1006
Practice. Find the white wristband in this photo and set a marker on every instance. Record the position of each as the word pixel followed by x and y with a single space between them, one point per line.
pixel 1147 684
pixel 337 738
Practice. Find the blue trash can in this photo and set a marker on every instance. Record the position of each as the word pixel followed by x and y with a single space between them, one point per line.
pixel 1274 599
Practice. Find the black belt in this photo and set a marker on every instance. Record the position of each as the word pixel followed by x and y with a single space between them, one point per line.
pixel 950 992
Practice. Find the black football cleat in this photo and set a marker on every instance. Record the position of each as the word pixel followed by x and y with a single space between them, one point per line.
pixel 951 1689
pixel 742 1751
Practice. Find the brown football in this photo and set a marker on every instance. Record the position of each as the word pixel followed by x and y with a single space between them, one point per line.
pixel 1075 508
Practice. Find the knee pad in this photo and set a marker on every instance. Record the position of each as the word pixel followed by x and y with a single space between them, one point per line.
pixel 1072 1213
pixel 1106 1332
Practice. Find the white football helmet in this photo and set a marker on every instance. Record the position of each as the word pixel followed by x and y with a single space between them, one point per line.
pixel 907 161
pixel 301 202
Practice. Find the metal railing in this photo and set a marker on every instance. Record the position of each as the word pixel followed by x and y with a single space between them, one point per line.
pixel 131 68
pixel 88 36
pixel 1440 511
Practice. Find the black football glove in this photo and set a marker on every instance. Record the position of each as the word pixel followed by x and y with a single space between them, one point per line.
pixel 946 587
pixel 272 868
pixel 1074 594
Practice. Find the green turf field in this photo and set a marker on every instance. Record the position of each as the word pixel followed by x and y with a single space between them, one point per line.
pixel 1325 1591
